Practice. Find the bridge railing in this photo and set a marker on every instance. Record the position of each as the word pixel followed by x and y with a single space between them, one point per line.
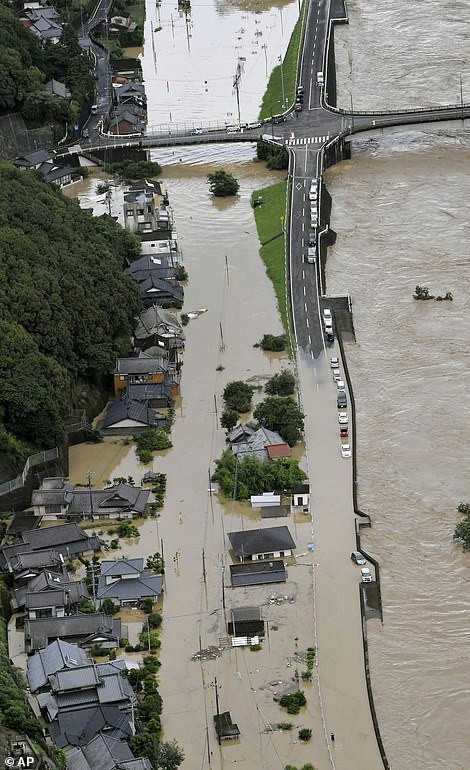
pixel 397 113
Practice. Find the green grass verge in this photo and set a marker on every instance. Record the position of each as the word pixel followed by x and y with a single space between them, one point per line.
pixel 272 251
pixel 272 100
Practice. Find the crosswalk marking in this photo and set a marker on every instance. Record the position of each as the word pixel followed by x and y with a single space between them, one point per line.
pixel 308 140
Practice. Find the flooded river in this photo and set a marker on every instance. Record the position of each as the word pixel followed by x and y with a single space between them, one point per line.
pixel 400 211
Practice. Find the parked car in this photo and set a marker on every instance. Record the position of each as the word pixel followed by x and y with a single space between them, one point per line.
pixel 298 107
pixel 85 133
pixel 326 313
pixel 336 376
pixel 312 239
pixel 334 362
pixel 343 431
pixel 340 385
pixel 232 129
pixel 312 196
pixel 366 575
pixel 343 418
pixel 278 119
pixel 300 89
pixel 255 124
pixel 341 400
pixel 345 450
pixel 358 558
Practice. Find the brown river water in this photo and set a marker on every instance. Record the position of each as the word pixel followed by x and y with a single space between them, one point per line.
pixel 399 208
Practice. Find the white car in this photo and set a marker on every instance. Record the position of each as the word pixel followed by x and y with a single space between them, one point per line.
pixel 334 362
pixel 343 418
pixel 340 385
pixel 336 376
pixel 345 450
pixel 366 575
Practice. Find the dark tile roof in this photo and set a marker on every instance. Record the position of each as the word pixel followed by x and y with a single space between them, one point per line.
pixel 137 583
pixel 39 633
pixel 22 522
pixel 77 728
pixel 125 409
pixel 43 599
pixel 240 614
pixel 159 288
pixel 137 391
pixel 32 159
pixel 123 497
pixel 250 542
pixel 55 656
pixel 101 753
pixel 148 185
pixel 258 573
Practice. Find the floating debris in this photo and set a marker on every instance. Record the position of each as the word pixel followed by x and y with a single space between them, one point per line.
pixel 209 653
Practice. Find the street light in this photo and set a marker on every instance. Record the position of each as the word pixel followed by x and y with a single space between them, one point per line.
pixel 352 111
pixel 282 83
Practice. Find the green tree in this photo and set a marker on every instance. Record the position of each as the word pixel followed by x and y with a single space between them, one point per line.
pixel 229 419
pixel 170 755
pixel 282 415
pixel 237 396
pixel 272 343
pixel 222 184
pixel 109 608
pixel 282 384
pixel 255 476
pixel 462 530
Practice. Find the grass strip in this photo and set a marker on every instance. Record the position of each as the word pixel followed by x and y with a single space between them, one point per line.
pixel 269 218
pixel 272 99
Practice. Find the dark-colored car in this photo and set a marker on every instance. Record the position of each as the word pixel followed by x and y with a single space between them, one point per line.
pixel 278 118
pixel 298 107
pixel 341 400
pixel 343 431
pixel 312 239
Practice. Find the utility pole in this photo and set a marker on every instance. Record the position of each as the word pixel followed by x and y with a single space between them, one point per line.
pixel 236 86
pixel 90 494
pixel 215 686
pixel 282 83
pixel 461 96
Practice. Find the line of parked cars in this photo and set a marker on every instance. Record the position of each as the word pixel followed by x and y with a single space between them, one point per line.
pixel 341 402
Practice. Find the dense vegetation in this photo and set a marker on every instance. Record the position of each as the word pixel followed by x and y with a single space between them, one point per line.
pixel 281 384
pixel 462 530
pixel 275 157
pixel 254 476
pixel 26 66
pixel 281 414
pixel 66 307
pixel 237 396
pixel 222 184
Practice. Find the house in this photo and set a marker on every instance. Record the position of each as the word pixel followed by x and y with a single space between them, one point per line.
pixel 56 499
pixel 257 444
pixel 48 580
pixel 224 726
pixel 86 630
pixel 266 499
pixel 301 496
pixel 255 544
pixel 25 566
pixel 66 539
pixel 160 291
pixel 258 573
pixel 142 209
pixel 162 240
pixel 33 160
pixel 123 70
pixel 154 394
pixel 121 22
pixel 157 325
pixel 56 656
pixel 43 23
pixel 46 604
pixel 147 265
pixel 77 728
pixel 128 582
pixel 128 122
pixel 139 369
pixel 56 88
pixel 124 417
pixel 133 92
pixel 245 621
pixel 58 175
pixel 105 753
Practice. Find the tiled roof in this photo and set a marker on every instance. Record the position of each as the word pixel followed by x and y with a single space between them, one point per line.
pixel 250 542
pixel 51 659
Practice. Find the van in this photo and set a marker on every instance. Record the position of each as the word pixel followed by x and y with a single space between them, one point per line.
pixel 319 78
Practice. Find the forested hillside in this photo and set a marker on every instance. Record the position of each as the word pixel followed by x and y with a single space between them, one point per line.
pixel 25 67
pixel 66 307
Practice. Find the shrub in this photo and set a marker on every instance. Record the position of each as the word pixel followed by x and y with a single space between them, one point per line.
pixel 154 620
pixel 222 184
pixel 255 647
pixel 282 384
pixel 150 441
pixel 109 608
pixel 293 702
pixel 462 530
pixel 305 734
pixel 285 726
pixel 126 529
pixel 147 604
pixel 229 419
pixel 237 396
pixel 273 344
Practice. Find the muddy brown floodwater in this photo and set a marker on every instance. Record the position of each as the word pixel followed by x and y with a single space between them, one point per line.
pixel 227 277
pixel 399 208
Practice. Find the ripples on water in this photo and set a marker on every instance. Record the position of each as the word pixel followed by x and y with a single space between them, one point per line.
pixel 403 54
pixel 399 207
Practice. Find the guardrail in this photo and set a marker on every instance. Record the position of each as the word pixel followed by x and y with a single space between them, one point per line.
pixel 33 460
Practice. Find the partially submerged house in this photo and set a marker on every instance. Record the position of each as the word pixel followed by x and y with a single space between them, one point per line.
pixel 245 621
pixel 261 443
pixel 55 499
pixel 65 540
pixel 47 581
pixel 86 630
pixel 105 753
pixel 255 544
pixel 158 326
pixel 127 582
pixel 255 573
pixel 125 416
pixel 139 369
pixel 56 656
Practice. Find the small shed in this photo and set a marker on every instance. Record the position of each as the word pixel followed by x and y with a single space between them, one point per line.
pixel 224 726
pixel 301 495
pixel 275 511
pixel 245 621
pixel 258 573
